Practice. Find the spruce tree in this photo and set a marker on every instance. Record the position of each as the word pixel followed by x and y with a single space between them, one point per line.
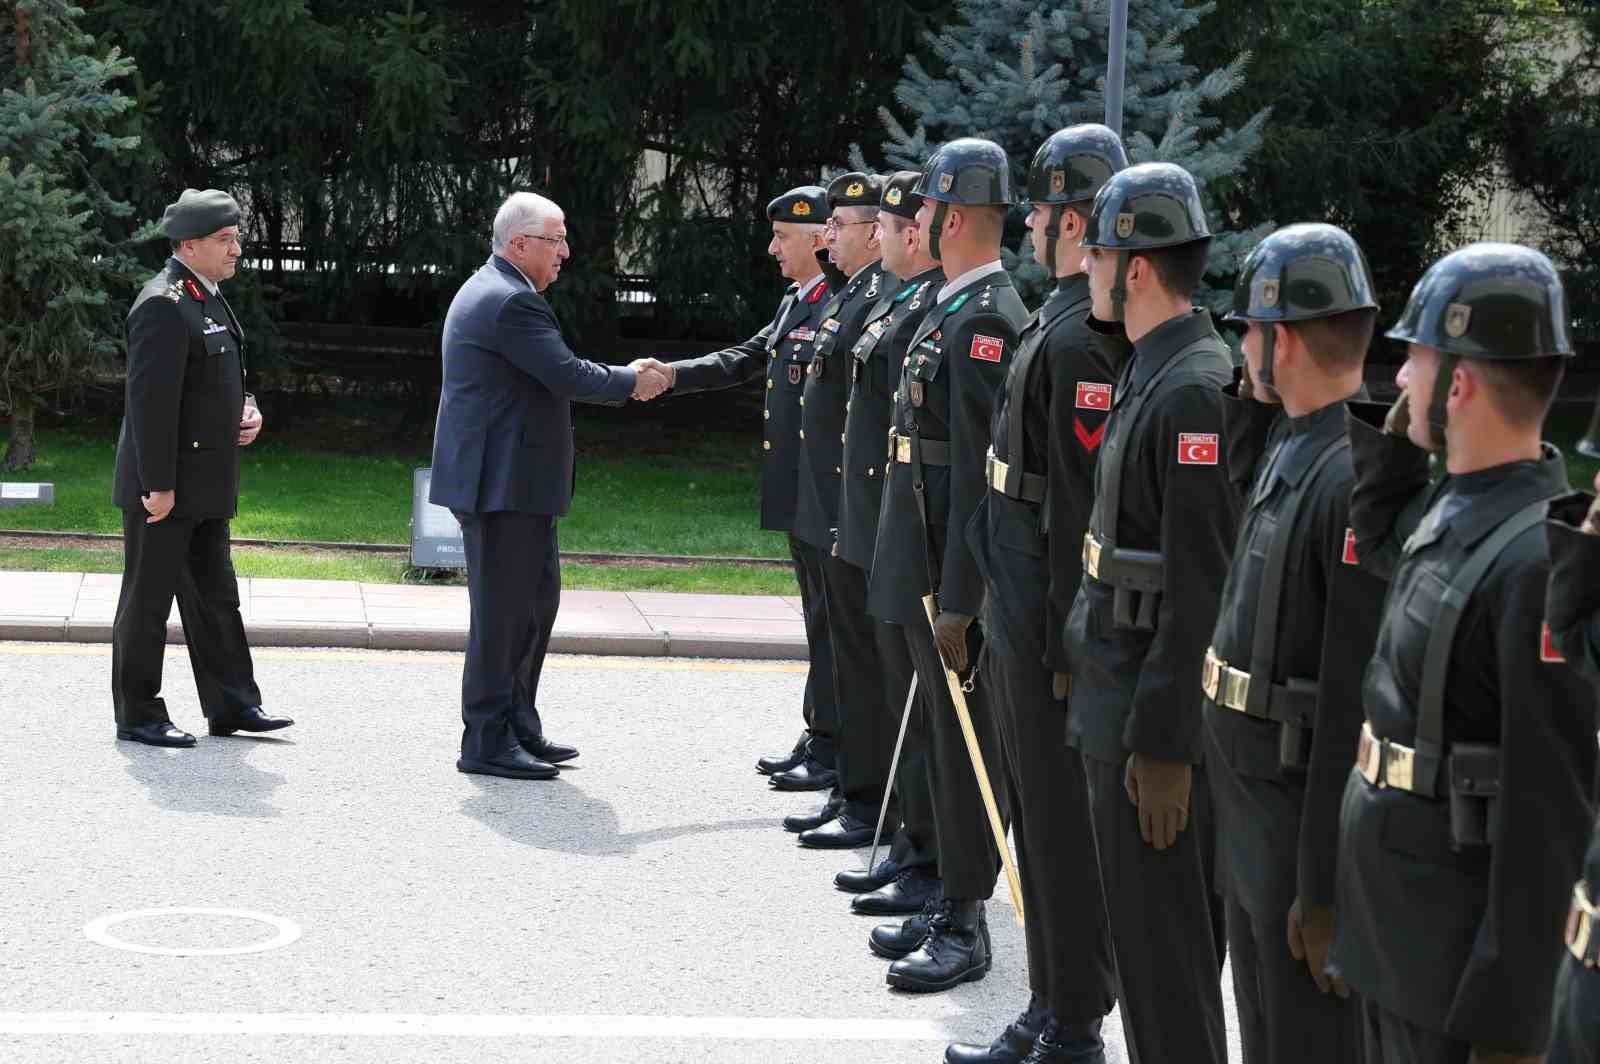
pixel 1016 71
pixel 59 262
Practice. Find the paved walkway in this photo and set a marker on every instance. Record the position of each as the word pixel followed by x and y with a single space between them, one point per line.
pixel 79 607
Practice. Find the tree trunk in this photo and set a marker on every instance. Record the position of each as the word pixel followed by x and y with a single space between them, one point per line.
pixel 21 450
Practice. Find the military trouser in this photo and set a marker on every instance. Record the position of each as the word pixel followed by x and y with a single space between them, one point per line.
pixel 1575 1034
pixel 1282 1014
pixel 1166 924
pixel 968 860
pixel 821 709
pixel 1069 950
pixel 868 697
pixel 1392 1039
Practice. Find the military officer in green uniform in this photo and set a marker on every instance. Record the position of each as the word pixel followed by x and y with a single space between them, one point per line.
pixel 905 880
pixel 1282 678
pixel 1027 536
pixel 938 438
pixel 783 350
pixel 1573 529
pixel 177 483
pixel 864 740
pixel 1469 804
pixel 1155 554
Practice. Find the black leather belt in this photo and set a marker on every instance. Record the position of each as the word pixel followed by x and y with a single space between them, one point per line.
pixel 1031 485
pixel 934 452
pixel 1582 942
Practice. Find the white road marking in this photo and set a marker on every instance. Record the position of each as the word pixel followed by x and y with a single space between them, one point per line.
pixel 416 1025
pixel 98 931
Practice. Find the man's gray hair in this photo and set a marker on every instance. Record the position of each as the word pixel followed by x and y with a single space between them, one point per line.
pixel 521 212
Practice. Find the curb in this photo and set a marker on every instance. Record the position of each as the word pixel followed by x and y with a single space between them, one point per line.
pixel 367 636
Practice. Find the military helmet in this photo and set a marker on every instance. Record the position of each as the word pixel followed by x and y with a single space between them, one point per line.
pixel 1302 272
pixel 1073 163
pixel 1490 301
pixel 806 205
pixel 967 172
pixel 1145 207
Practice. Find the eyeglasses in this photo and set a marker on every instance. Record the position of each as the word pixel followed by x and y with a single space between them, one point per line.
pixel 558 241
pixel 226 239
pixel 833 225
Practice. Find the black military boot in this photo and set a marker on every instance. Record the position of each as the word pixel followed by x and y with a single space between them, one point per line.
pixel 1011 1045
pixel 768 765
pixel 956 950
pixel 893 941
pixel 1068 1043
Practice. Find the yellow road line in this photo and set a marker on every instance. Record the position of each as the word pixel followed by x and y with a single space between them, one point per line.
pixel 400 657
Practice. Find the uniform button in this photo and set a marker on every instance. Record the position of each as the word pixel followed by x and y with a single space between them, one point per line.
pixel 797 347
pixel 871 472
pixel 906 361
pixel 841 437
pixel 802 434
pixel 836 469
pixel 802 400
pixel 197 445
pixel 847 406
pixel 766 445
pixel 769 384
pixel 766 415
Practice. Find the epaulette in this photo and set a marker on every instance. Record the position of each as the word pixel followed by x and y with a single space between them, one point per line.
pixel 174 291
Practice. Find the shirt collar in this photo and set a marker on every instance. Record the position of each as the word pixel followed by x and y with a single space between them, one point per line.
pixel 805 289
pixel 1491 495
pixel 967 280
pixel 1070 290
pixel 1156 347
pixel 514 268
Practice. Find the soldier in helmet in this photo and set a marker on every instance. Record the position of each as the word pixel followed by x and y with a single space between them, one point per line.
pixel 1154 558
pixel 1451 897
pixel 1282 681
pixel 908 877
pixel 1573 529
pixel 939 434
pixel 783 349
pixel 1049 417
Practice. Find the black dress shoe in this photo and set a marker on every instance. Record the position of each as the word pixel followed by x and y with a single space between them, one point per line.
pixel 514 764
pixel 808 775
pixel 768 765
pixel 1060 1043
pixel 1012 1044
pixel 827 812
pixel 893 941
pixel 956 951
pixel 161 733
pixel 547 751
pixel 250 719
pixel 907 892
pixel 864 880
pixel 844 832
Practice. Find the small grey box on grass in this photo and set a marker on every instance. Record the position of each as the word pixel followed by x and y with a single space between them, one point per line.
pixel 12 494
pixel 435 534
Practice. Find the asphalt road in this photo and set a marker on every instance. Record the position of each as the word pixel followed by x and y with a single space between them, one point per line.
pixel 645 907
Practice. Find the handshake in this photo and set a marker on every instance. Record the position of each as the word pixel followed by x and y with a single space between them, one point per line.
pixel 651 378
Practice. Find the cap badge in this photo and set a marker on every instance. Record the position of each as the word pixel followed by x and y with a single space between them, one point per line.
pixel 1058 182
pixel 1124 226
pixel 801 209
pixel 1457 316
pixel 855 190
pixel 946 181
pixel 1269 293
pixel 892 197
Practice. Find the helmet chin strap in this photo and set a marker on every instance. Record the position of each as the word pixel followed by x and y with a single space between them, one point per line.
pixel 1269 344
pixel 1438 404
pixel 1052 233
pixel 940 210
pixel 1119 287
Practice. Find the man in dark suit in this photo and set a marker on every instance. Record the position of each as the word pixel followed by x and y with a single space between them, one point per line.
pixel 503 464
pixel 177 483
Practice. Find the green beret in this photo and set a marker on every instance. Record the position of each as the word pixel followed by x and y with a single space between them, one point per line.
pixel 855 190
pixel 199 213
pixel 898 197
pixel 806 205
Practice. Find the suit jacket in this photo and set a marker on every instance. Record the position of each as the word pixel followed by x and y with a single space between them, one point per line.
pixel 184 398
pixel 504 439
pixel 783 349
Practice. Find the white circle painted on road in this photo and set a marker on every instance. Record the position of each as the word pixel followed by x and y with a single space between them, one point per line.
pixel 98 931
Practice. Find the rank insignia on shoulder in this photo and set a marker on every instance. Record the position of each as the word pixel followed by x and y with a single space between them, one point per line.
pixel 987 348
pixel 1349 555
pixel 956 305
pixel 1093 395
pixel 1197 448
pixel 194 291
pixel 1548 651
pixel 173 292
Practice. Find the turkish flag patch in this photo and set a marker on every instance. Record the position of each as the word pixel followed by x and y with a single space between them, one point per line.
pixel 1092 396
pixel 1349 557
pixel 987 348
pixel 1547 646
pixel 1198 448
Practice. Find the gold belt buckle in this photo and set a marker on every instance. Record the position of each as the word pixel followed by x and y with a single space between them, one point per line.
pixel 1369 757
pixel 902 449
pixel 1091 555
pixel 1398 768
pixel 1235 688
pixel 997 474
pixel 1580 924
pixel 1209 674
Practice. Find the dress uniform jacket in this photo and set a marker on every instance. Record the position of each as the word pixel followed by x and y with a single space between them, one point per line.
pixel 1134 689
pixel 875 369
pixel 1574 614
pixel 956 358
pixel 185 394
pixel 1462 942
pixel 1278 823
pixel 783 348
pixel 1066 395
pixel 822 405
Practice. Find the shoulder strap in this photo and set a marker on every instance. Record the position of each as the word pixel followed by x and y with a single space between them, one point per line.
pixel 1264 650
pixel 1016 390
pixel 1442 637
